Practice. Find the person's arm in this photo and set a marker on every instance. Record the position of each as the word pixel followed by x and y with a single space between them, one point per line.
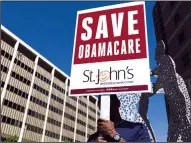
pixel 108 128
pixel 122 140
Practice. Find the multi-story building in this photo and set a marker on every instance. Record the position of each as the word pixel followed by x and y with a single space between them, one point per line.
pixel 35 105
pixel 172 20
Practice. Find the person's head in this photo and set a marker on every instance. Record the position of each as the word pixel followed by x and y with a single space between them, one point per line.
pixel 114 108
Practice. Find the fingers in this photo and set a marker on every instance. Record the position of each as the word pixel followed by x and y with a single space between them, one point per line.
pixel 100 139
pixel 101 120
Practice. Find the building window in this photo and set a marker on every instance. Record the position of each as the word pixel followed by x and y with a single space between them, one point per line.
pixel 176 18
pixel 4 69
pixel 91 99
pixel 181 38
pixel 53 122
pixel 22 65
pixel 38 75
pixel 13 105
pixel 98 113
pixel 66 115
pixel 36 115
pixel 38 101
pixel 186 60
pixel 51 134
pixel 70 106
pixel 54 97
pixel 66 139
pixel 67 127
pixel 91 118
pixel 91 109
pixel 58 88
pixel 2 83
pixel 74 98
pixel 56 110
pixel 6 55
pixel 17 91
pixel 91 127
pixel 82 113
pixel 20 78
pixel 40 89
pixel 81 122
pixel 81 133
pixel 11 121
pixel 34 129
pixel 82 103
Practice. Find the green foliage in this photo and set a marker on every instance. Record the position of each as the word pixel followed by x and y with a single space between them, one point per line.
pixel 11 139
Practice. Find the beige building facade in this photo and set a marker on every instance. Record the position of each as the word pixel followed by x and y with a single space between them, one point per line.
pixel 35 105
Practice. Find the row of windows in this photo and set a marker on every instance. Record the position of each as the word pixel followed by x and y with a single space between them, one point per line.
pixel 82 103
pixel 66 115
pixel 13 105
pixel 38 101
pixel 2 83
pixel 36 115
pixel 34 129
pixel 56 110
pixel 67 127
pixel 51 134
pixel 58 88
pixel 20 78
pixel 17 91
pixel 91 109
pixel 74 98
pixel 91 118
pixel 82 113
pixel 4 69
pixel 66 139
pixel 41 77
pixel 40 89
pixel 80 133
pixel 54 122
pixel 54 97
pixel 6 55
pixel 81 122
pixel 11 121
pixel 91 99
pixel 91 127
pixel 22 65
pixel 98 113
pixel 70 106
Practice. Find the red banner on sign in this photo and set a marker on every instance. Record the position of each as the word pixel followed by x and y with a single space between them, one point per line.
pixel 111 35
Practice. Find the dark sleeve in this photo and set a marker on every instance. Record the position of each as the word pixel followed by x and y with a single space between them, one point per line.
pixel 92 137
pixel 143 135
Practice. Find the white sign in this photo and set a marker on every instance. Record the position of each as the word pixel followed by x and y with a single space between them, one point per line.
pixel 110 52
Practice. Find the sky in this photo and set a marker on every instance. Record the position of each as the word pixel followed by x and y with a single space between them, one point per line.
pixel 48 27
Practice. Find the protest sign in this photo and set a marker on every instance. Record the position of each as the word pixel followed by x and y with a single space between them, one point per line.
pixel 110 52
